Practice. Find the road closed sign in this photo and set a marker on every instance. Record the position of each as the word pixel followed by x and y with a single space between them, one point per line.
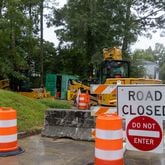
pixel 143 107
pixel 138 100
pixel 145 134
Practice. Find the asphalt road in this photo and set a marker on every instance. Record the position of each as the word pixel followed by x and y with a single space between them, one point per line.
pixel 47 151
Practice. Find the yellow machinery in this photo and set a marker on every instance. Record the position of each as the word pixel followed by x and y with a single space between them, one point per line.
pixel 110 99
pixel 112 53
pixel 73 88
pixel 114 70
pixel 37 93
pixel 4 84
pixel 34 93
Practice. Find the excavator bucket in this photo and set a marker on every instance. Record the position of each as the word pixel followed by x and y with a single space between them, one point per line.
pixel 75 124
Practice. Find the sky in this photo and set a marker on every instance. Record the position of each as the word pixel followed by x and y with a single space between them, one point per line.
pixel 142 42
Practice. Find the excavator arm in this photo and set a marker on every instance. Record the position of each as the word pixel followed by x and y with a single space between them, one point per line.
pixel 73 89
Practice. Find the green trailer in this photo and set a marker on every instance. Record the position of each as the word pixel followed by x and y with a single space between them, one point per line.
pixel 57 84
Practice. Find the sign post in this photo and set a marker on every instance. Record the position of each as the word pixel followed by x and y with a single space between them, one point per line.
pixel 143 107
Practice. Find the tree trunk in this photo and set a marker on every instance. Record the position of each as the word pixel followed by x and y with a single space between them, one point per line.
pixel 127 29
pixel 41 43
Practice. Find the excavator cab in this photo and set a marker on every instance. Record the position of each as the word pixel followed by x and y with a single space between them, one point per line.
pixel 114 69
pixel 113 66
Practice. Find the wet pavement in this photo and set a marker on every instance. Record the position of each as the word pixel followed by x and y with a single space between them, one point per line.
pixel 47 151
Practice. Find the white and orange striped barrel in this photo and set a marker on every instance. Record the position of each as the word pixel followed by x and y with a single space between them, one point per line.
pixel 109 140
pixel 8 130
pixel 83 101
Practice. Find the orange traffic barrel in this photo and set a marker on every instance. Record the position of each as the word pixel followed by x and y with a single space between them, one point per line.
pixel 83 101
pixel 109 140
pixel 8 133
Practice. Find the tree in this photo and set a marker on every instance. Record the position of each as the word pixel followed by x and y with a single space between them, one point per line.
pixel 159 52
pixel 162 72
pixel 137 67
pixel 156 55
pixel 91 25
pixel 12 24
pixel 150 14
pixel 18 36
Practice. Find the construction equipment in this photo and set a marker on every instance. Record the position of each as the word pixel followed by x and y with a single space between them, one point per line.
pixel 37 93
pixel 4 84
pixel 113 65
pixel 114 70
pixel 75 86
pixel 32 93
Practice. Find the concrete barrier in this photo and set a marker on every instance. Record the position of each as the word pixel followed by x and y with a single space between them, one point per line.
pixel 75 124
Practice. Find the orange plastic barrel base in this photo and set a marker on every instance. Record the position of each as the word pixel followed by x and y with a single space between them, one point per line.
pixel 108 162
pixel 17 151
pixel 8 146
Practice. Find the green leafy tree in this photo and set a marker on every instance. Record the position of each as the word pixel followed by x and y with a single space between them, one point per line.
pixel 162 72
pixel 90 25
pixel 156 55
pixel 137 61
pixel 159 52
pixel 137 67
pixel 18 37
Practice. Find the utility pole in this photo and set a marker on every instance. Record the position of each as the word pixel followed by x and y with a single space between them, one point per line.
pixel 41 44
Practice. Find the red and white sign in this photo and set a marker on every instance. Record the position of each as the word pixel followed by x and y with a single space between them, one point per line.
pixel 145 134
pixel 143 107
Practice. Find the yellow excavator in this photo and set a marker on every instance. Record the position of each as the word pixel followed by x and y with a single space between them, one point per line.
pixel 112 70
pixel 75 86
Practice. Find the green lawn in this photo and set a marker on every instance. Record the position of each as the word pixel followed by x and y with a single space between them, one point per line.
pixel 30 112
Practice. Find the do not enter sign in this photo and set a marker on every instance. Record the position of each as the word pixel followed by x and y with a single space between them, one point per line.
pixel 145 134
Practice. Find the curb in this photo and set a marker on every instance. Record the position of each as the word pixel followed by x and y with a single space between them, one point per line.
pixel 29 133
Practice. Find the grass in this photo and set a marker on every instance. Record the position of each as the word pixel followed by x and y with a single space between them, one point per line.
pixel 51 103
pixel 30 112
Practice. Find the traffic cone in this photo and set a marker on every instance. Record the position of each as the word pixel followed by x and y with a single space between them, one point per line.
pixel 109 140
pixel 8 133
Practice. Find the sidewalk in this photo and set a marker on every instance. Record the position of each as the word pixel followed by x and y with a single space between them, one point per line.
pixel 47 151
